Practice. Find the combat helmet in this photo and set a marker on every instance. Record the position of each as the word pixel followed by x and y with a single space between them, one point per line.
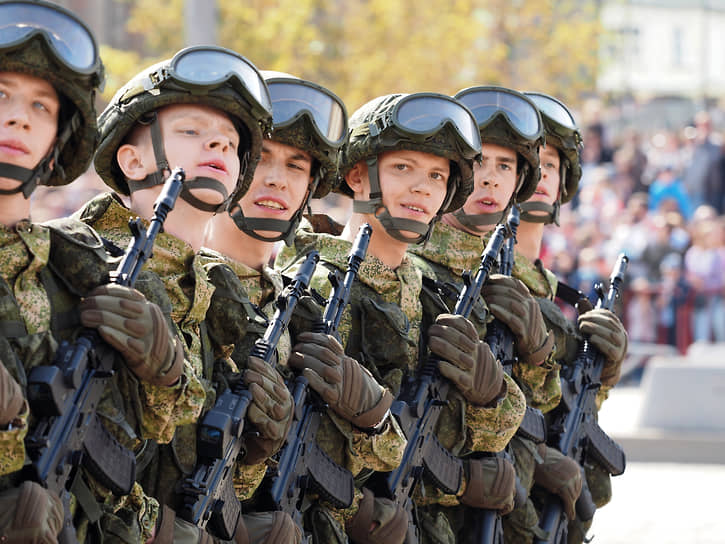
pixel 207 75
pixel 47 41
pixel 428 122
pixel 507 118
pixel 562 133
pixel 309 117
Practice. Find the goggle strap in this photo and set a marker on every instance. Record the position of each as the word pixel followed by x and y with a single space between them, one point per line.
pixel 528 207
pixel 475 221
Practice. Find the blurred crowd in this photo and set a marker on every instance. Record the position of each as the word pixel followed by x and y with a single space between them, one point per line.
pixel 659 198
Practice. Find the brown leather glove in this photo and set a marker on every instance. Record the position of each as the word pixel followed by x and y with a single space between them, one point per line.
pixel 12 402
pixel 510 301
pixel 272 528
pixel 342 382
pixel 607 334
pixel 560 475
pixel 467 361
pixel 29 514
pixel 490 484
pixel 378 521
pixel 174 530
pixel 270 411
pixel 137 329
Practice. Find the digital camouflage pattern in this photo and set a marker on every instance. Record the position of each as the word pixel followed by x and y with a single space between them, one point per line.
pixel 445 257
pixel 44 272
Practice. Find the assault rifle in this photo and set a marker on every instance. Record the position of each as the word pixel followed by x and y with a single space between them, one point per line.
pixel 501 341
pixel 65 394
pixel 208 496
pixel 574 430
pixel 303 466
pixel 418 407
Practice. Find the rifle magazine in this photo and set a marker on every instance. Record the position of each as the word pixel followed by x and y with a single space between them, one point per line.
pixel 441 466
pixel 113 465
pixel 334 483
pixel 605 450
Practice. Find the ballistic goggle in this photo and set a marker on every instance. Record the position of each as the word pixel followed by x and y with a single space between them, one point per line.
pixel 553 109
pixel 205 67
pixel 68 39
pixel 422 115
pixel 487 103
pixel 293 99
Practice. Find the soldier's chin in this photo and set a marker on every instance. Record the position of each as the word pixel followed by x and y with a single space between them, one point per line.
pixel 208 196
pixel 8 184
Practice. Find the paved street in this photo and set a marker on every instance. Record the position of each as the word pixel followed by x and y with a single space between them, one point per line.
pixel 664 503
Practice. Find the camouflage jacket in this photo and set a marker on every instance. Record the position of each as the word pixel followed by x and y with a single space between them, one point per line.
pixel 381 328
pixel 445 257
pixel 242 302
pixel 45 271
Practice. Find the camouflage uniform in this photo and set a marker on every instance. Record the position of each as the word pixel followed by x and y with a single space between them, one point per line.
pixel 381 329
pixel 43 275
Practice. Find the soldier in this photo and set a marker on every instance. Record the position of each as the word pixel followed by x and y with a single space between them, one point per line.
pixel 510 129
pixel 49 278
pixel 407 162
pixel 560 175
pixel 298 162
pixel 206 110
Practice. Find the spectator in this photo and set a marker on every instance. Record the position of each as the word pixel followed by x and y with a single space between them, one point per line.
pixel 641 315
pixel 705 155
pixel 667 185
pixel 673 294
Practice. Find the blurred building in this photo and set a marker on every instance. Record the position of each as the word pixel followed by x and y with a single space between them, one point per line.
pixel 671 52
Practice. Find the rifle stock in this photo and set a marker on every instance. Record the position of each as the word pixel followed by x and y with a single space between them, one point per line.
pixel 65 394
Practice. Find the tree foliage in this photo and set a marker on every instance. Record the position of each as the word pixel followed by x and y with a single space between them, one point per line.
pixel 365 48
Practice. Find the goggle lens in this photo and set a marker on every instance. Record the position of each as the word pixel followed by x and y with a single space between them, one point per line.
pixel 486 103
pixel 71 41
pixel 291 100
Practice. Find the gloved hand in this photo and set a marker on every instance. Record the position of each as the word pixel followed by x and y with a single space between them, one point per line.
pixel 560 475
pixel 490 484
pixel 378 521
pixel 272 528
pixel 174 530
pixel 29 514
pixel 467 361
pixel 607 334
pixel 510 301
pixel 12 402
pixel 342 382
pixel 137 329
pixel 270 411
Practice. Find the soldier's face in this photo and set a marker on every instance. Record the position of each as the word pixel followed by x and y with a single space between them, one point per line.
pixel 200 139
pixel 29 109
pixel 548 188
pixel 494 180
pixel 414 184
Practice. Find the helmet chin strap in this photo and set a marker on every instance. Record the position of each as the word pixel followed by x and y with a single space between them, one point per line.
pixel 285 227
pixel 162 165
pixel 551 214
pixel 392 225
pixel 30 178
pixel 475 221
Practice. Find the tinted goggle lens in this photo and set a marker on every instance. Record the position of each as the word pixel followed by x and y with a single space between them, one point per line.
pixel 71 41
pixel 486 103
pixel 553 109
pixel 426 114
pixel 292 100
pixel 207 67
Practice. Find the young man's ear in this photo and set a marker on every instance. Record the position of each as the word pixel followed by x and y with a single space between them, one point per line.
pixel 357 178
pixel 131 161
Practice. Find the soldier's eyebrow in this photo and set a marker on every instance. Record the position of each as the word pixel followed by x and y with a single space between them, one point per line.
pixel 38 90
